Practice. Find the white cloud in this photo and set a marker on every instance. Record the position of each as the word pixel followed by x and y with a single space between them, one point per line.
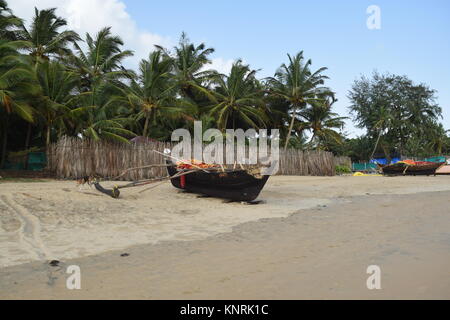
pixel 92 15
pixel 221 65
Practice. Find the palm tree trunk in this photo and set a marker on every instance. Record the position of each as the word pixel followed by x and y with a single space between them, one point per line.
pixel 60 132
pixel 376 144
pixel 387 153
pixel 4 143
pixel 291 126
pixel 47 142
pixel 27 144
pixel 310 143
pixel 147 120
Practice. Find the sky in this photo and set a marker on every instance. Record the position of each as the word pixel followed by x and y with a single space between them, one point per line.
pixel 412 38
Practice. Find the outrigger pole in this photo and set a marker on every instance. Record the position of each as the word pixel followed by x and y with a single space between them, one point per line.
pixel 115 191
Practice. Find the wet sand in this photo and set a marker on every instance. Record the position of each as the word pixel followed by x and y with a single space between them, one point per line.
pixel 313 237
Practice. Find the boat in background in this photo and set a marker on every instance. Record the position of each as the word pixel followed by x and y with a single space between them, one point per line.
pixel 411 167
pixel 443 170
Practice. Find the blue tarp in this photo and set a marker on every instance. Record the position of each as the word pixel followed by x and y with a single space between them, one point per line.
pixel 395 160
pixel 384 160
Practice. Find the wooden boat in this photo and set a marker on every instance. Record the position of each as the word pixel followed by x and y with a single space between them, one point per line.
pixel 235 185
pixel 413 168
pixel 443 170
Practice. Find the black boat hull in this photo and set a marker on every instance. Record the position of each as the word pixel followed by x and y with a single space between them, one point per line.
pixel 232 185
pixel 401 169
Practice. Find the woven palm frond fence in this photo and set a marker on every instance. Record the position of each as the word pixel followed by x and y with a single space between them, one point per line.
pixel 72 158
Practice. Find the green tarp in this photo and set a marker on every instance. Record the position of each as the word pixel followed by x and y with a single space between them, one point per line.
pixel 37 161
pixel 364 166
pixel 436 159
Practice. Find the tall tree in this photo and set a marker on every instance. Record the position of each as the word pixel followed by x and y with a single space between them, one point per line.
pixel 100 70
pixel 9 23
pixel 57 92
pixel 154 92
pixel 45 37
pixel 16 87
pixel 392 109
pixel 190 62
pixel 238 99
pixel 102 61
pixel 298 85
pixel 437 138
pixel 322 122
pixel 99 116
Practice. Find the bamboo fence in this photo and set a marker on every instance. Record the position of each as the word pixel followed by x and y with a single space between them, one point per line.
pixel 72 158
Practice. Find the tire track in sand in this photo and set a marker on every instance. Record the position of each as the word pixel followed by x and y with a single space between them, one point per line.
pixel 30 231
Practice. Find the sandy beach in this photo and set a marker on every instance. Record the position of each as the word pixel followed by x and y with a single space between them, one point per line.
pixel 311 237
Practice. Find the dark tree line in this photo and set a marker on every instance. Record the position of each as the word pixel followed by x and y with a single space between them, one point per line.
pixel 51 86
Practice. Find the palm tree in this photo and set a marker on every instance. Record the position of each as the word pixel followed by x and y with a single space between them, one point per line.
pixel 189 62
pixel 238 99
pixel 437 137
pixel 102 60
pixel 298 85
pixel 381 121
pixel 100 71
pixel 154 92
pixel 322 122
pixel 99 116
pixel 44 36
pixel 16 83
pixel 8 22
pixel 57 92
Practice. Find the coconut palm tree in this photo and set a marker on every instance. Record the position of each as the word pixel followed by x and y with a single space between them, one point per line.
pixel 100 71
pixel 44 36
pixel 437 137
pixel 99 116
pixel 16 85
pixel 57 86
pixel 9 23
pixel 238 99
pixel 189 62
pixel 322 122
pixel 154 93
pixel 298 85
pixel 101 62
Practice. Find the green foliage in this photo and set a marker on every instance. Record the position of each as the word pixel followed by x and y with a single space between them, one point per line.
pixel 8 22
pixel 238 102
pixel 400 115
pixel 298 86
pixel 343 170
pixel 51 86
pixel 44 38
pixel 152 95
pixel 319 119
